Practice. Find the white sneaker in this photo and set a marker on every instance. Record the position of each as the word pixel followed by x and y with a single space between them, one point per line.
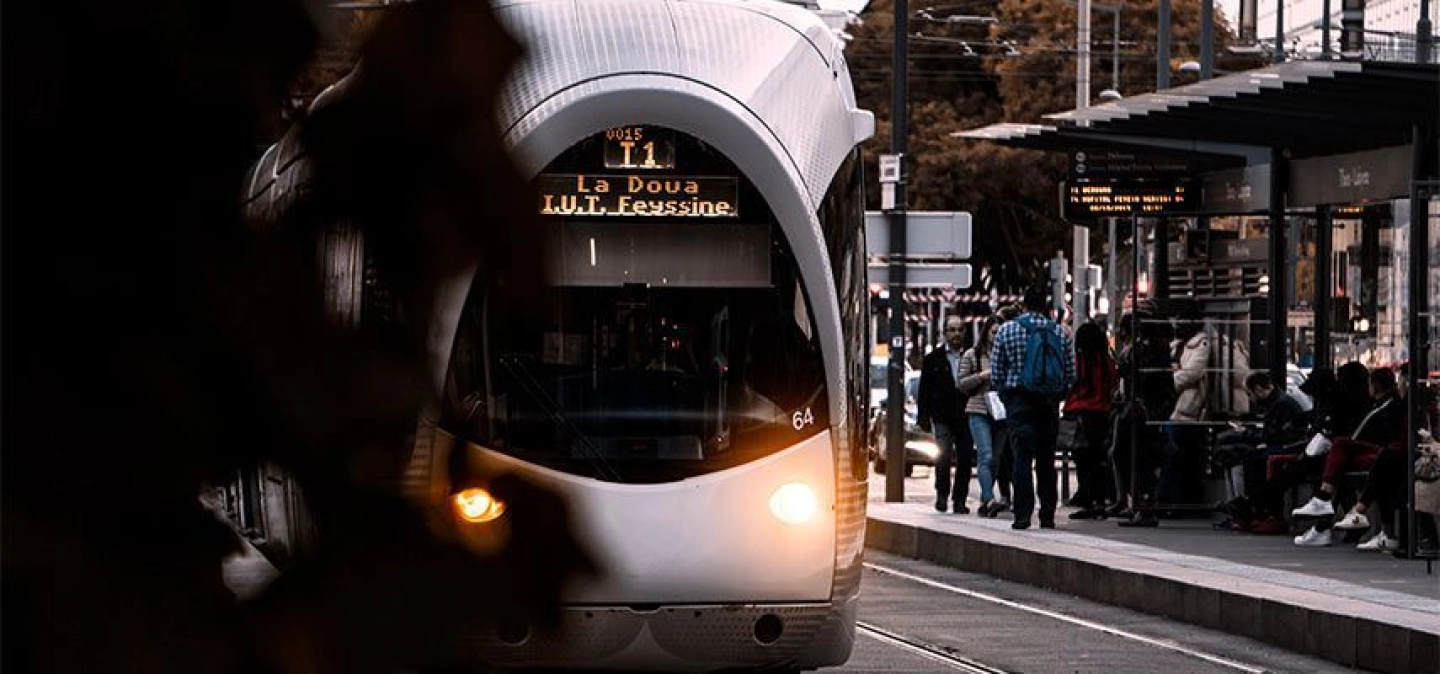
pixel 1314 508
pixel 1380 543
pixel 1353 520
pixel 1313 538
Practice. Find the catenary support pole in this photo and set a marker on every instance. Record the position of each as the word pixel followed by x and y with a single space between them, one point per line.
pixel 1207 39
pixel 1423 34
pixel 1279 54
pixel 1325 53
pixel 895 384
pixel 1162 47
pixel 1082 55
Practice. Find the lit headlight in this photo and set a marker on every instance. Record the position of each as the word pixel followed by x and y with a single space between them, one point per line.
pixel 924 448
pixel 794 503
pixel 477 505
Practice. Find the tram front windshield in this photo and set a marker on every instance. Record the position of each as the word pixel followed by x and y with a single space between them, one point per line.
pixel 659 352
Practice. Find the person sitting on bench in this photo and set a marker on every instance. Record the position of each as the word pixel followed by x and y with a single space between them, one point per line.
pixel 1283 427
pixel 1384 426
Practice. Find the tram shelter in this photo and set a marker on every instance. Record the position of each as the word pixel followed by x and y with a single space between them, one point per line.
pixel 1303 200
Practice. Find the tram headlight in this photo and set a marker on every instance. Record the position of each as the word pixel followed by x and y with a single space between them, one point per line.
pixel 476 505
pixel 794 503
pixel 924 448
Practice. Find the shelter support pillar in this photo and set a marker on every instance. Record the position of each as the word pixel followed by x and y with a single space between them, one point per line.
pixel 1324 285
pixel 1279 178
pixel 1161 282
pixel 1424 165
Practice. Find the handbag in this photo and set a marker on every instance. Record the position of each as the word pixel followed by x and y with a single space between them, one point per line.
pixel 1069 438
pixel 1318 445
pixel 1427 465
pixel 995 405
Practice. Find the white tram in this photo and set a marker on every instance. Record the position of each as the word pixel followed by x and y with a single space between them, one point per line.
pixel 694 376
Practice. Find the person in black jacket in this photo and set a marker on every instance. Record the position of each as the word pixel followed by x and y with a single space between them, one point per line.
pixel 1283 427
pixel 942 407
pixel 1382 428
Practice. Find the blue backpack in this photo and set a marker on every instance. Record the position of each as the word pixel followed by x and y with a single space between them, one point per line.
pixel 1043 372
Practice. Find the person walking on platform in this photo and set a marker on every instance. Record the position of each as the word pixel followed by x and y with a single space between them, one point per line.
pixel 941 408
pixel 1089 404
pixel 1033 367
pixel 975 383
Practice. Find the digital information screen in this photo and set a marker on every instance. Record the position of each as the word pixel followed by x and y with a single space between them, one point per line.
pixel 638 195
pixel 639 147
pixel 1115 198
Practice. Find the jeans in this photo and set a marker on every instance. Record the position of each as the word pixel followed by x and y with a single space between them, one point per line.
pixel 1034 424
pixel 984 455
pixel 954 448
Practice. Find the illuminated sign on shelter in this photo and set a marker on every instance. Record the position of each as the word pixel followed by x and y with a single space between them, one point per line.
pixel 639 195
pixel 1114 198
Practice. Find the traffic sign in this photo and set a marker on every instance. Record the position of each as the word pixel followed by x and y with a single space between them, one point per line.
pixel 924 275
pixel 940 235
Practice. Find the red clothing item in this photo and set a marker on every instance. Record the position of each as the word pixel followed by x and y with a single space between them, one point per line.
pixel 1095 379
pixel 1345 455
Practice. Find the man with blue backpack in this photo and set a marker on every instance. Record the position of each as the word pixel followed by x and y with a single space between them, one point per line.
pixel 1033 366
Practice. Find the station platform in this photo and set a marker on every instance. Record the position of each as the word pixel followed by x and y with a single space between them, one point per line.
pixel 1360 609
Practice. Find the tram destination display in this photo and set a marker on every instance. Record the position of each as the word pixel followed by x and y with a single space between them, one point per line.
pixel 638 195
pixel 639 147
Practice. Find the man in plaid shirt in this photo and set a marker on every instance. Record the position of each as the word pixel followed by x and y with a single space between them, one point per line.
pixel 1032 417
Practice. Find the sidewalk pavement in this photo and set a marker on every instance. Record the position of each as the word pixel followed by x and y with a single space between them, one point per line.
pixel 1358 609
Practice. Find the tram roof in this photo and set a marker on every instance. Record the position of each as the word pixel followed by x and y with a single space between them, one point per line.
pixel 1310 108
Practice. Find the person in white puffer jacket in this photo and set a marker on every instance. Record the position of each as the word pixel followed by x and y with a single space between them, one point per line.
pixel 1190 376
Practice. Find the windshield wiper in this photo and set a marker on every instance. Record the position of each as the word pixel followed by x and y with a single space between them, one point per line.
pixel 552 409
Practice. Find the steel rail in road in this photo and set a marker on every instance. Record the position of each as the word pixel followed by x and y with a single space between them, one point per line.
pixel 932 653
pixel 1107 629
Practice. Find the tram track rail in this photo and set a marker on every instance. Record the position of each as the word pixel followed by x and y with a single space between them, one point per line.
pixel 930 652
pixel 961 663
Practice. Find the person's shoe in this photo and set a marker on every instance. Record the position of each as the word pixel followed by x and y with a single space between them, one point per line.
pixel 1088 514
pixel 1047 522
pixel 1020 524
pixel 983 508
pixel 1118 509
pixel 997 508
pixel 1315 507
pixel 941 504
pixel 1140 519
pixel 1353 520
pixel 1379 542
pixel 1313 538
pixel 1268 526
pixel 960 510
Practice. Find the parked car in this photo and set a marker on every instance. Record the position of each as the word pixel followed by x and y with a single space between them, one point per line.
pixel 879 369
pixel 921 448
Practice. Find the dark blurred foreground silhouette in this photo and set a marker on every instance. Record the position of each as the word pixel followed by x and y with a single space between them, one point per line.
pixel 154 342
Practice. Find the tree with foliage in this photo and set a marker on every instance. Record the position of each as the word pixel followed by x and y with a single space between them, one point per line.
pixel 1013 61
